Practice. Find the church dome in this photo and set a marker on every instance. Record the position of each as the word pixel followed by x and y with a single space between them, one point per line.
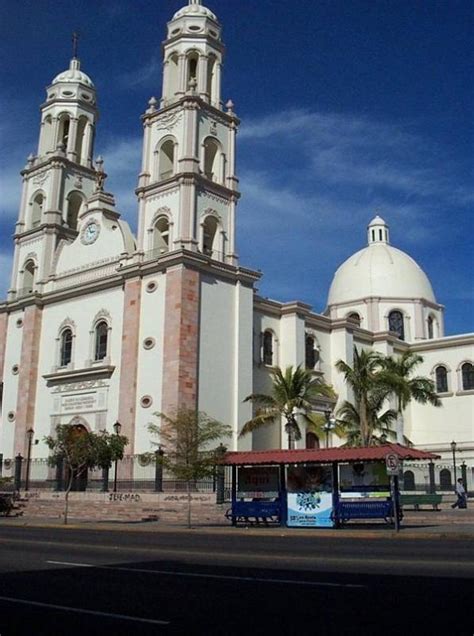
pixel 195 9
pixel 379 270
pixel 73 75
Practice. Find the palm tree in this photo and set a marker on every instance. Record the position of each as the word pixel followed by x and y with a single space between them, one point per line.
pixel 378 425
pixel 396 376
pixel 363 378
pixel 293 392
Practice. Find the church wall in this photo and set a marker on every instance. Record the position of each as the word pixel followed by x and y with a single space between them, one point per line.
pixel 455 418
pixel 217 350
pixel 14 337
pixel 95 401
pixel 150 358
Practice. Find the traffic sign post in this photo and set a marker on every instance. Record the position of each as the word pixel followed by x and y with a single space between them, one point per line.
pixel 392 463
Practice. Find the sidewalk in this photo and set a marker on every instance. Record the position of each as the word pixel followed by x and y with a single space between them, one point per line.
pixel 444 524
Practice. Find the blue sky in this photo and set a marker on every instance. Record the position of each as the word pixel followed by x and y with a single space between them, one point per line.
pixel 348 107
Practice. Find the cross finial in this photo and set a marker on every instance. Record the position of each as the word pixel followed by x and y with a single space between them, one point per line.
pixel 75 41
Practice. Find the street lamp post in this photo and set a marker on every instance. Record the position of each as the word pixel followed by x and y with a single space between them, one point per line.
pixel 30 434
pixel 117 429
pixel 453 448
pixel 329 426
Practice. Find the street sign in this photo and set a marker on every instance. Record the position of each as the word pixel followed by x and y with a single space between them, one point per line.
pixel 392 463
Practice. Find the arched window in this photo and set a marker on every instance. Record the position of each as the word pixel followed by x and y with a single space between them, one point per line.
pixel 81 131
pixel 395 324
pixel 354 316
pixel 467 371
pixel 166 160
pixel 47 138
pixel 310 352
pixel 74 203
pixel 161 235
pixel 37 206
pixel 211 79
pixel 101 340
pixel 64 124
pixel 441 377
pixel 430 325
pixel 312 440
pixel 212 160
pixel 268 348
pixel 28 277
pixel 409 480
pixel 192 68
pixel 209 235
pixel 65 352
pixel 445 479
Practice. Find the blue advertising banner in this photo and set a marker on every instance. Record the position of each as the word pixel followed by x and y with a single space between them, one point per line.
pixel 310 509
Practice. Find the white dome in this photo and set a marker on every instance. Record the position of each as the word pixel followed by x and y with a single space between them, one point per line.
pixel 379 270
pixel 195 9
pixel 73 75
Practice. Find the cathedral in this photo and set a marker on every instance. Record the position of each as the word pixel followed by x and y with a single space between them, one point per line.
pixel 101 326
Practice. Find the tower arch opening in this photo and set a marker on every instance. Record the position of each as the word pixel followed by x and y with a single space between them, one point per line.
pixel 166 159
pixel 209 235
pixel 37 207
pixel 80 137
pixel 64 126
pixel 74 204
pixel 161 235
pixel 213 160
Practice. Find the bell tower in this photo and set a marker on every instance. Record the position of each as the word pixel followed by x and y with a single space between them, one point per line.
pixel 58 179
pixel 187 186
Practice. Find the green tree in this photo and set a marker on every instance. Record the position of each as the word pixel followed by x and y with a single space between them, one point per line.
pixel 188 438
pixel 369 394
pixel 81 450
pixel 396 376
pixel 292 393
pixel 378 425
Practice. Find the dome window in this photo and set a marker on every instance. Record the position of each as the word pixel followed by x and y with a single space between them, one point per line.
pixel 396 324
pixel 194 27
pixel 467 371
pixel 354 317
pixel 441 376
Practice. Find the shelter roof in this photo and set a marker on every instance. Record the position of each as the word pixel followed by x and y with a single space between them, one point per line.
pixel 325 455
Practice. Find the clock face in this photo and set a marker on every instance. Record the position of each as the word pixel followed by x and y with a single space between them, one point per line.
pixel 90 232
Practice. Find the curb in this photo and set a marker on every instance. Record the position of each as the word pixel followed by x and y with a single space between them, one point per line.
pixel 150 527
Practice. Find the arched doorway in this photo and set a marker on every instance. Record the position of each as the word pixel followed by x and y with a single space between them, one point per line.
pixel 409 480
pixel 79 478
pixel 445 479
pixel 312 440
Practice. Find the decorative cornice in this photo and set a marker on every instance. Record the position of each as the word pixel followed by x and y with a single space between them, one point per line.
pixel 71 375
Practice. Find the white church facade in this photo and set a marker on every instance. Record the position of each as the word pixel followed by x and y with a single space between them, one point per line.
pixel 100 325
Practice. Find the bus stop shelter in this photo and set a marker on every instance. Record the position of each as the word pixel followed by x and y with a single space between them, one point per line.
pixel 318 487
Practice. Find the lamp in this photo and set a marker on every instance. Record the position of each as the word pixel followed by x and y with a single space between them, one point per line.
pixel 329 425
pixel 453 448
pixel 29 434
pixel 117 429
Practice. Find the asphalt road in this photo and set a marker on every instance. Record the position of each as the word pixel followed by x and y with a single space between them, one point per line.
pixel 77 581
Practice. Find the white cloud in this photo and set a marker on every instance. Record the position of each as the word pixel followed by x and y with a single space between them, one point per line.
pixel 6 258
pixel 142 75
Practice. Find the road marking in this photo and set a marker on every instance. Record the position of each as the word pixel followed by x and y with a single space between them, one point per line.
pixel 79 610
pixel 203 575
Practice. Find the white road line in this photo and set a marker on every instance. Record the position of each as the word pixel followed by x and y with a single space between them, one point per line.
pixel 79 610
pixel 226 577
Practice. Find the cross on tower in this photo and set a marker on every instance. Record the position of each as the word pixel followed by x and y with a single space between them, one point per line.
pixel 75 40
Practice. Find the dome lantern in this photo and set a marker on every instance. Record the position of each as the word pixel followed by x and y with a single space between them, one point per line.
pixel 377 231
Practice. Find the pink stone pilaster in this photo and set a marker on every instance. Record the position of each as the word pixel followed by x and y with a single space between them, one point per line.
pixel 181 339
pixel 129 361
pixel 28 376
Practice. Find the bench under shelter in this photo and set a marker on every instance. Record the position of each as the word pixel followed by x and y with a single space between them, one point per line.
pixel 316 487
